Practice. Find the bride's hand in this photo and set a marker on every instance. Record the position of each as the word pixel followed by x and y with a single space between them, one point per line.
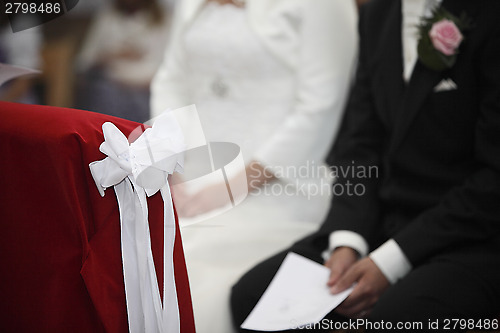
pixel 207 199
pixel 257 175
pixel 216 195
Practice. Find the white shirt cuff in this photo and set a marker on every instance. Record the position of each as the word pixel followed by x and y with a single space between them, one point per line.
pixel 391 260
pixel 346 238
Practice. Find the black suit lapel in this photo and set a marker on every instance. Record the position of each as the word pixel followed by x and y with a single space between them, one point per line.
pixel 421 84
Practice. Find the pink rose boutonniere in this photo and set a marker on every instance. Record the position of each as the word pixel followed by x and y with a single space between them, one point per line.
pixel 446 37
pixel 440 37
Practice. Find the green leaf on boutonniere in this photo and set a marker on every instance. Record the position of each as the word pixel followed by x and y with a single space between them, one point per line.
pixel 431 57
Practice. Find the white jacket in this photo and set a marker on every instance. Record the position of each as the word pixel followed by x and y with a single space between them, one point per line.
pixel 317 39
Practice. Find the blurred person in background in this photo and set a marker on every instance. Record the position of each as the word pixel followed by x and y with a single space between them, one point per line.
pixel 20 48
pixel 271 76
pixel 120 55
pixel 62 40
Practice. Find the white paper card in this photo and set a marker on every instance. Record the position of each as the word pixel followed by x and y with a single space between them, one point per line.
pixel 8 72
pixel 297 296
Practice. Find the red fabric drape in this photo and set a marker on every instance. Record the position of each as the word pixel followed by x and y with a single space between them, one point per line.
pixel 60 254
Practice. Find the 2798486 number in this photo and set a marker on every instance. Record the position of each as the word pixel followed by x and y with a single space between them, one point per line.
pixel 471 324
pixel 32 8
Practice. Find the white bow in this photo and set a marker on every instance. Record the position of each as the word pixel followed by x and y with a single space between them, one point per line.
pixel 136 171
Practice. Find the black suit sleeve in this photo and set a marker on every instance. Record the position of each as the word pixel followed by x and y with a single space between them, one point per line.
pixel 358 146
pixel 471 212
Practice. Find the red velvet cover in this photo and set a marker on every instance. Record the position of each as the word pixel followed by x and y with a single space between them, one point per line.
pixel 60 255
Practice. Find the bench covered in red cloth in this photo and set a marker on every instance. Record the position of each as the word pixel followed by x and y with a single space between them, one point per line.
pixel 60 257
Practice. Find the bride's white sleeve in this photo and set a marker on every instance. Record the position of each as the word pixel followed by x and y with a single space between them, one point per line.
pixel 169 88
pixel 327 56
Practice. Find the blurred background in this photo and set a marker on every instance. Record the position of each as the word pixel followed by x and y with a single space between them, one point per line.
pixel 88 56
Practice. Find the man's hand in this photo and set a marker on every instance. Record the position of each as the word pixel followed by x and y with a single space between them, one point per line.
pixel 341 259
pixel 370 284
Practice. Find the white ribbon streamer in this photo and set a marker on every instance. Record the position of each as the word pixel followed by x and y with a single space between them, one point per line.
pixel 136 171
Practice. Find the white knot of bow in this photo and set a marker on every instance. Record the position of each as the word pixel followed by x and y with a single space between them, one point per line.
pixel 136 171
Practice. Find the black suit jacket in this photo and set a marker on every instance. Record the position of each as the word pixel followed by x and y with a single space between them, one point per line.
pixel 438 153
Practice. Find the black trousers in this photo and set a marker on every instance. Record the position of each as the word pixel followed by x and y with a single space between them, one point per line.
pixel 439 295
